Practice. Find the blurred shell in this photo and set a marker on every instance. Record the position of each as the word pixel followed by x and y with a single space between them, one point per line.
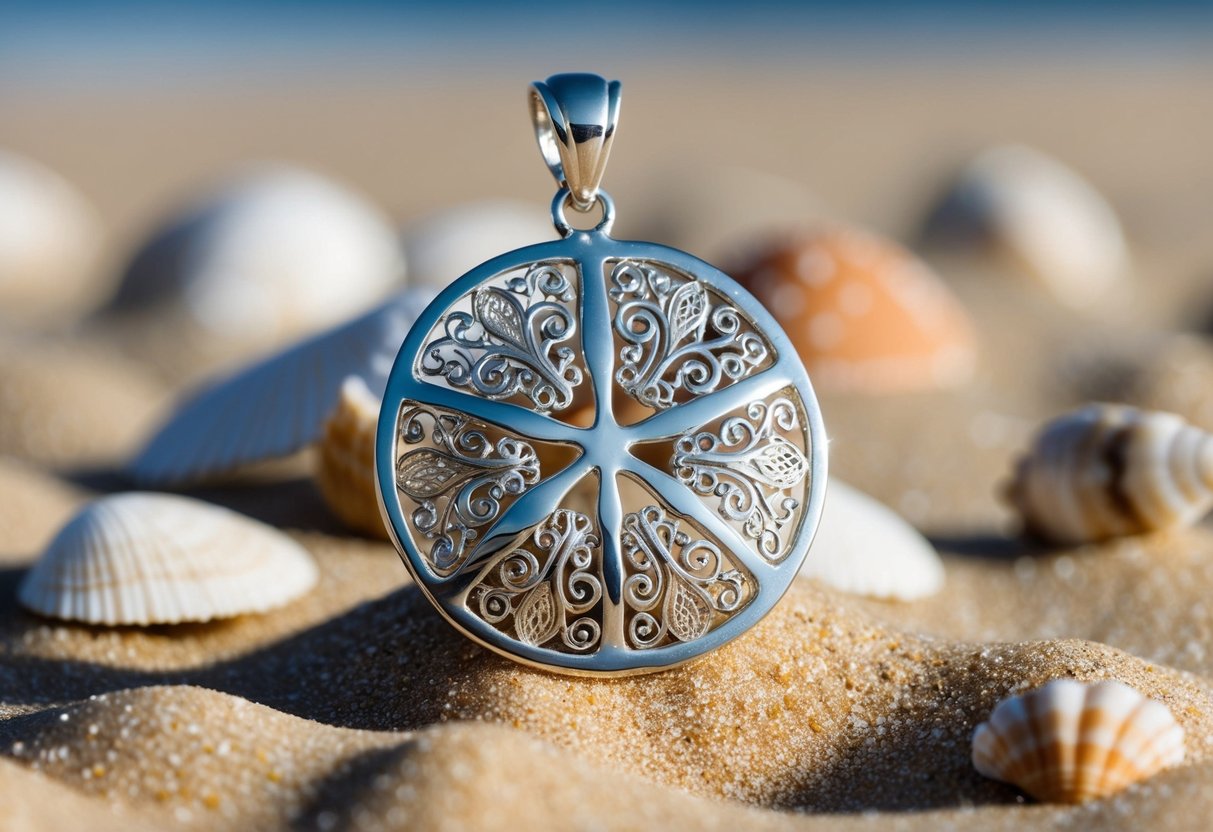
pixel 864 548
pixel 863 313
pixel 162 559
pixel 278 405
pixel 444 246
pixel 1110 470
pixel 275 253
pixel 1033 209
pixel 49 238
pixel 1069 742
pixel 345 465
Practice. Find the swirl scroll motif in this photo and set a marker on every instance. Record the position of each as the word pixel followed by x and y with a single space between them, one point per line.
pixel 675 338
pixel 547 591
pixel 751 468
pixel 677 587
pixel 459 484
pixel 514 341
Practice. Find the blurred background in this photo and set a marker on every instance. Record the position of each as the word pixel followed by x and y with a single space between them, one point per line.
pixel 420 106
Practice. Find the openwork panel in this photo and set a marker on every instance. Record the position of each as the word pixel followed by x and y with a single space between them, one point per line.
pixel 677 336
pixel 513 338
pixel 752 468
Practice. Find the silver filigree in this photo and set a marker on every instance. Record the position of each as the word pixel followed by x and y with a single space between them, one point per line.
pixel 678 587
pixel 675 338
pixel 460 483
pixel 513 341
pixel 751 468
pixel 546 590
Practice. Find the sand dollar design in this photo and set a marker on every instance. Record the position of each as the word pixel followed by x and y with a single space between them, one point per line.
pixel 600 456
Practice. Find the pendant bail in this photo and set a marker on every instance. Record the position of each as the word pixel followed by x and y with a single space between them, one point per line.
pixel 575 116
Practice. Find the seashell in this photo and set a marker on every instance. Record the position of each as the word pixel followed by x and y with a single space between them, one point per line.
pixel 162 559
pixel 864 548
pixel 345 464
pixel 1109 470
pixel 863 313
pixel 444 246
pixel 1070 741
pixel 1023 205
pixel 272 254
pixel 278 405
pixel 49 239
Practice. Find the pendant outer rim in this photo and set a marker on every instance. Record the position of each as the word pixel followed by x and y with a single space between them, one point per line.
pixel 597 245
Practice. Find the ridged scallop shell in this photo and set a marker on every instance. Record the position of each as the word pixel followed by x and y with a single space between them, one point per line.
pixel 345 462
pixel 275 253
pixel 1040 214
pixel 864 548
pixel 162 559
pixel 1108 470
pixel 49 238
pixel 278 405
pixel 441 247
pixel 1069 741
pixel 863 313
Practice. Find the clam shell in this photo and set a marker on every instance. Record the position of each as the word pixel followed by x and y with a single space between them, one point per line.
pixel 864 548
pixel 278 405
pixel 442 247
pixel 162 559
pixel 49 238
pixel 1069 741
pixel 1040 214
pixel 1106 470
pixel 345 464
pixel 863 313
pixel 272 254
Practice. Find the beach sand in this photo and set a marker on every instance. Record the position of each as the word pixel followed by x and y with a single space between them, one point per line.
pixel 358 707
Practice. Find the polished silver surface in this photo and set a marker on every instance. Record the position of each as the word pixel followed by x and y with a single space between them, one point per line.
pixel 575 115
pixel 600 456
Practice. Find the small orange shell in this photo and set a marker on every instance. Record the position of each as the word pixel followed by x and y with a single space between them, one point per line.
pixel 345 467
pixel 1069 741
pixel 863 313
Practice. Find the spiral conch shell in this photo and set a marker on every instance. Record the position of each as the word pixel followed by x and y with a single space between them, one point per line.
pixel 1069 741
pixel 1104 471
pixel 345 465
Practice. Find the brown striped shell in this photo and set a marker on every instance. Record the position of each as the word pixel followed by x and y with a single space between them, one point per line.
pixel 1105 471
pixel 1069 741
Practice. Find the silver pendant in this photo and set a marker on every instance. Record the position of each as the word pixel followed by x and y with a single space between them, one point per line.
pixel 598 456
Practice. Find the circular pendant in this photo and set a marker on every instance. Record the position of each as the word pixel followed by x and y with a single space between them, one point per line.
pixel 598 456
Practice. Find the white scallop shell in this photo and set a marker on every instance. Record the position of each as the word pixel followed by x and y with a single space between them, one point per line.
pixel 1110 470
pixel 864 548
pixel 278 405
pixel 345 462
pixel 1043 215
pixel 444 246
pixel 274 253
pixel 162 559
pixel 1070 741
pixel 49 239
